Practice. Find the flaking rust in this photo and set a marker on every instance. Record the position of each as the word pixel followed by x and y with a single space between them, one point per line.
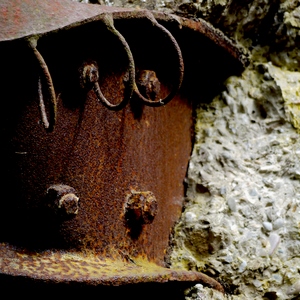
pixel 96 194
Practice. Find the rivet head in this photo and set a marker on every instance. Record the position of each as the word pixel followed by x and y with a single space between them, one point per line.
pixel 141 207
pixel 62 199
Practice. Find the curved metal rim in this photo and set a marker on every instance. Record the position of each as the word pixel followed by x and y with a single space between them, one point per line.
pixel 91 269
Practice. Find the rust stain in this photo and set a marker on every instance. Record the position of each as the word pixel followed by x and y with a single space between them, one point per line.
pixel 93 270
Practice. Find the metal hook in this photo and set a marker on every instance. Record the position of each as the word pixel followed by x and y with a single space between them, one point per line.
pixel 108 20
pixel 177 85
pixel 48 123
pixel 42 105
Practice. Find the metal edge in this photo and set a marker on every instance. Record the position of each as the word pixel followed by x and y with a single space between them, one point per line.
pixel 62 267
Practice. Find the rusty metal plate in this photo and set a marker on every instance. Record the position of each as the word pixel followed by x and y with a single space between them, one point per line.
pixel 22 18
pixel 94 198
pixel 25 18
pixel 92 270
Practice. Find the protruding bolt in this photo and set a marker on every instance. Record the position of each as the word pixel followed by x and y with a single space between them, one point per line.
pixel 63 199
pixel 89 74
pixel 148 84
pixel 141 207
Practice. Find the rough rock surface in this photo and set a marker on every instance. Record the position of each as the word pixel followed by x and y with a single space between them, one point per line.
pixel 242 214
pixel 241 221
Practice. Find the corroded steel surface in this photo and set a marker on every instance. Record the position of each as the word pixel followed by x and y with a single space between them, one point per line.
pixel 25 18
pixel 93 270
pixel 22 18
pixel 204 28
pixel 101 155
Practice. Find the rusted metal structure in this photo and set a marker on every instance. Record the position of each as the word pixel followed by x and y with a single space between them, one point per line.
pixel 96 131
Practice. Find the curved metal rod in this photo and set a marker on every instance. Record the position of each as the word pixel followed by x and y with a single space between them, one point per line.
pixel 42 105
pixel 180 63
pixel 48 123
pixel 108 20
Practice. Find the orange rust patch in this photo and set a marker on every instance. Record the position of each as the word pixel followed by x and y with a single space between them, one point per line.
pixel 91 269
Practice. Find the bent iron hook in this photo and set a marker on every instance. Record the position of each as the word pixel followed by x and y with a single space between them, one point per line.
pixel 46 77
pixel 108 21
pixel 180 63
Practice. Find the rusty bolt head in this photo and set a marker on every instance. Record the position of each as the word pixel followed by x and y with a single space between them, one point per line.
pixel 89 74
pixel 148 84
pixel 141 207
pixel 62 199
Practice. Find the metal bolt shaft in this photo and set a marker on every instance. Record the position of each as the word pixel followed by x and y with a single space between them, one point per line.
pixel 89 74
pixel 63 199
pixel 148 84
pixel 141 207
